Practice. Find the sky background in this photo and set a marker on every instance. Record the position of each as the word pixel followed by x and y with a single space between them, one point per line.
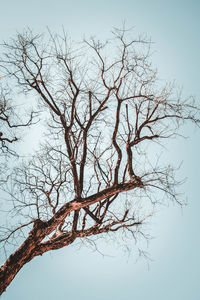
pixel 174 270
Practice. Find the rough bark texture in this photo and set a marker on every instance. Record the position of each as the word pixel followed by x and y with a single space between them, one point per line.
pixel 33 245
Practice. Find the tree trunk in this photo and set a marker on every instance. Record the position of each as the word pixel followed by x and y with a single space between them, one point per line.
pixel 26 252
pixel 32 246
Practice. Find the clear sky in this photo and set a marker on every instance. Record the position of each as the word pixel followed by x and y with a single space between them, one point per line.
pixel 174 271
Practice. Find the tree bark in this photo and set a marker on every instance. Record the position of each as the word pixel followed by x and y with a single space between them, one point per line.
pixel 21 256
pixel 33 245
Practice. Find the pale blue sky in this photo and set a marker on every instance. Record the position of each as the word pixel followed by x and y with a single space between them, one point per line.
pixel 175 270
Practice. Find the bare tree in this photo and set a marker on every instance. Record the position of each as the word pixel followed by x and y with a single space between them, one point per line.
pixel 107 116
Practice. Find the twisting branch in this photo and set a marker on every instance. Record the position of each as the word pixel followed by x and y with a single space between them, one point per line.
pixel 91 174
